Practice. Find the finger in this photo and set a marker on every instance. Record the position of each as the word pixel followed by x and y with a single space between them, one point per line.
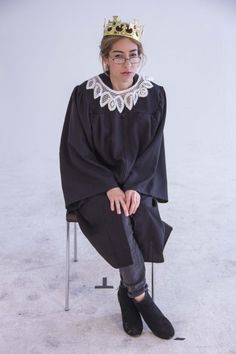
pixel 124 206
pixel 136 208
pixel 132 208
pixel 117 204
pixel 137 203
pixel 112 205
pixel 128 200
pixel 132 205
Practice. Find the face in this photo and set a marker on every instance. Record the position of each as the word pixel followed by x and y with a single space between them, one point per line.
pixel 123 48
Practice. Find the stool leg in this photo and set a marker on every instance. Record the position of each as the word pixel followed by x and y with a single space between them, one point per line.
pixel 152 276
pixel 67 266
pixel 75 243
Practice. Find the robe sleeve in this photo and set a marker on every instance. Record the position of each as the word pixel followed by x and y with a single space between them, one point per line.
pixel 148 175
pixel 82 174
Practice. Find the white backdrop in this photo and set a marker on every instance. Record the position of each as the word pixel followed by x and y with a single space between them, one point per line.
pixel 48 47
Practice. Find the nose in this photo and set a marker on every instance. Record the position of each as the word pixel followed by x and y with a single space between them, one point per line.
pixel 127 62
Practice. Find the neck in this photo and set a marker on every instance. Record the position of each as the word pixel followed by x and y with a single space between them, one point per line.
pixel 120 85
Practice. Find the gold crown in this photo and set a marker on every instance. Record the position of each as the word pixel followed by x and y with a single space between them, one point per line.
pixel 117 28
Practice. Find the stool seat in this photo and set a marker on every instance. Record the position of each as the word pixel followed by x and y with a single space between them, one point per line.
pixel 71 216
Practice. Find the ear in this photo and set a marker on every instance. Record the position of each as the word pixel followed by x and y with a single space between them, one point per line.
pixel 105 60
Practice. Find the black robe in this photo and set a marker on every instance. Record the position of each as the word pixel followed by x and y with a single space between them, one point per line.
pixel 102 148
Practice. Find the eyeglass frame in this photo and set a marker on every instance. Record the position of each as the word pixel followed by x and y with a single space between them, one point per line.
pixel 124 59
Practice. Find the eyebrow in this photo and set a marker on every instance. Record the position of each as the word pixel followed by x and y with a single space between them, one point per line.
pixel 120 51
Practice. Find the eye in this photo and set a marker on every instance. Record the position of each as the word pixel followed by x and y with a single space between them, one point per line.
pixel 118 56
pixel 133 55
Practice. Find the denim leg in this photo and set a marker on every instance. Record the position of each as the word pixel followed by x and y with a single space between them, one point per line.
pixel 133 276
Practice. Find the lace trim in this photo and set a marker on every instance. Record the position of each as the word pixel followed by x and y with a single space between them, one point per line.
pixel 118 99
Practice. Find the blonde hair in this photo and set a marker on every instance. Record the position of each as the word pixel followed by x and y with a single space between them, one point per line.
pixel 107 43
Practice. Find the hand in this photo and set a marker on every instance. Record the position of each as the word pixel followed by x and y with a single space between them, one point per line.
pixel 132 201
pixel 117 199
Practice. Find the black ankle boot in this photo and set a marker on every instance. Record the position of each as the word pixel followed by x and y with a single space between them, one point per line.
pixel 132 322
pixel 154 318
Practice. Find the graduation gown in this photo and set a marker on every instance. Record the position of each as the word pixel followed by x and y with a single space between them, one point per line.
pixel 114 139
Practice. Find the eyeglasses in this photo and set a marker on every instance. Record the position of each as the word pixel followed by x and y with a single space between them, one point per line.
pixel 119 59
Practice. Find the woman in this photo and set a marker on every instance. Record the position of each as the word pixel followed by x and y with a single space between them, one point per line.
pixel 113 170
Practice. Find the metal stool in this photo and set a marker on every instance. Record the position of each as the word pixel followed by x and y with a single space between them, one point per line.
pixel 71 217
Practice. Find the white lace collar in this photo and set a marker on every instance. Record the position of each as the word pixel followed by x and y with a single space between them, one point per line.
pixel 119 99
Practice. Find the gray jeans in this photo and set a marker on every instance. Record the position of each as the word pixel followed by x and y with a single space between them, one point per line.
pixel 133 276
